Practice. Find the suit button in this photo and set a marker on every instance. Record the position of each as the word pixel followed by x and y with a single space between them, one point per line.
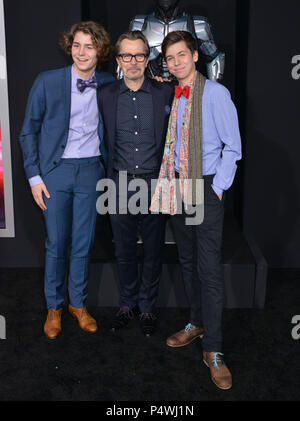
pixel 63 146
pixel 54 163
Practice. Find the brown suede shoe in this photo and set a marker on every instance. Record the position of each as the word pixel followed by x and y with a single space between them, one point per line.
pixel 52 327
pixel 86 322
pixel 185 336
pixel 220 374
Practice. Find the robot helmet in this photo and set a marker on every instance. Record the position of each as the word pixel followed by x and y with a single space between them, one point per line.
pixel 167 4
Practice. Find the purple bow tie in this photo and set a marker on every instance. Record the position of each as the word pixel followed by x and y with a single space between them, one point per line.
pixel 82 84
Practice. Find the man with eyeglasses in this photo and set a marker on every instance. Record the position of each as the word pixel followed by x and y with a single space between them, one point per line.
pixel 135 113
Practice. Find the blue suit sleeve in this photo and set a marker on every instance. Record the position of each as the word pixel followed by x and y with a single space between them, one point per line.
pixel 30 133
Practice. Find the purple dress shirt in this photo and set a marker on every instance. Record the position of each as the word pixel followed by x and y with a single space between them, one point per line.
pixel 221 146
pixel 83 140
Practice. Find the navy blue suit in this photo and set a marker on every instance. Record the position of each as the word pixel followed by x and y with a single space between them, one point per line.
pixel 71 210
pixel 125 227
pixel 46 125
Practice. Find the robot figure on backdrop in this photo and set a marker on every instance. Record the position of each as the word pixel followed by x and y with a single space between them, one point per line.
pixel 168 17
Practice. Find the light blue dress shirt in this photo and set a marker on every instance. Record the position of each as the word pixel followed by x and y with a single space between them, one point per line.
pixel 83 140
pixel 221 141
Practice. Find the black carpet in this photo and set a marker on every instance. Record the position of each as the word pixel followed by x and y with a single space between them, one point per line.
pixel 263 357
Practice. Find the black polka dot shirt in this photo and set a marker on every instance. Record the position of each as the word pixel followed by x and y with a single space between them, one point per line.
pixel 135 146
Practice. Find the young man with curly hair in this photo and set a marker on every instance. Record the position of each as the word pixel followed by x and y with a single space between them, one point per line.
pixel 63 150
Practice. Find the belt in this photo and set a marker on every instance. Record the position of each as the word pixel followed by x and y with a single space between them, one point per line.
pixel 144 175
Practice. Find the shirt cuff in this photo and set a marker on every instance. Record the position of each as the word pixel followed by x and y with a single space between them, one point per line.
pixel 217 190
pixel 34 181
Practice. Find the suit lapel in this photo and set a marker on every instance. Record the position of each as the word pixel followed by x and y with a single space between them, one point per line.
pixel 110 111
pixel 99 80
pixel 100 125
pixel 159 113
pixel 66 92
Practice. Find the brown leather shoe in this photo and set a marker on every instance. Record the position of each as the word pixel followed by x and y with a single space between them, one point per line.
pixel 185 336
pixel 86 322
pixel 52 327
pixel 220 373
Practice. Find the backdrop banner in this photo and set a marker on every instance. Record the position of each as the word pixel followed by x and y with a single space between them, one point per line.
pixel 6 194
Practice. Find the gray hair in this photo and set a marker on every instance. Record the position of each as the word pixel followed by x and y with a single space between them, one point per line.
pixel 132 36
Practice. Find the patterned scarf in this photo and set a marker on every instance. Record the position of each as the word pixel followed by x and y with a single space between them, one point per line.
pixel 190 160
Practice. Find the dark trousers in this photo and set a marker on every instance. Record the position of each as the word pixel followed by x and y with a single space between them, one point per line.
pixel 199 249
pixel 125 231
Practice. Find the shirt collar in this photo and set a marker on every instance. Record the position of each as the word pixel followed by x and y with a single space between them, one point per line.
pixel 144 88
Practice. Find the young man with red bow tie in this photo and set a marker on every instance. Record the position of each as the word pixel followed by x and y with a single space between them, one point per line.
pixel 63 149
pixel 203 143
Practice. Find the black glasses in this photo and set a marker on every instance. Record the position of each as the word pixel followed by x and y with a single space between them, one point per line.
pixel 127 58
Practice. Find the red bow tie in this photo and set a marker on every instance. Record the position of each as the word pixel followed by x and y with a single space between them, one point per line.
pixel 185 91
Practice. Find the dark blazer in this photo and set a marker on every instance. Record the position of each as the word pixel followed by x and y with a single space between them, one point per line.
pixel 162 96
pixel 46 126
